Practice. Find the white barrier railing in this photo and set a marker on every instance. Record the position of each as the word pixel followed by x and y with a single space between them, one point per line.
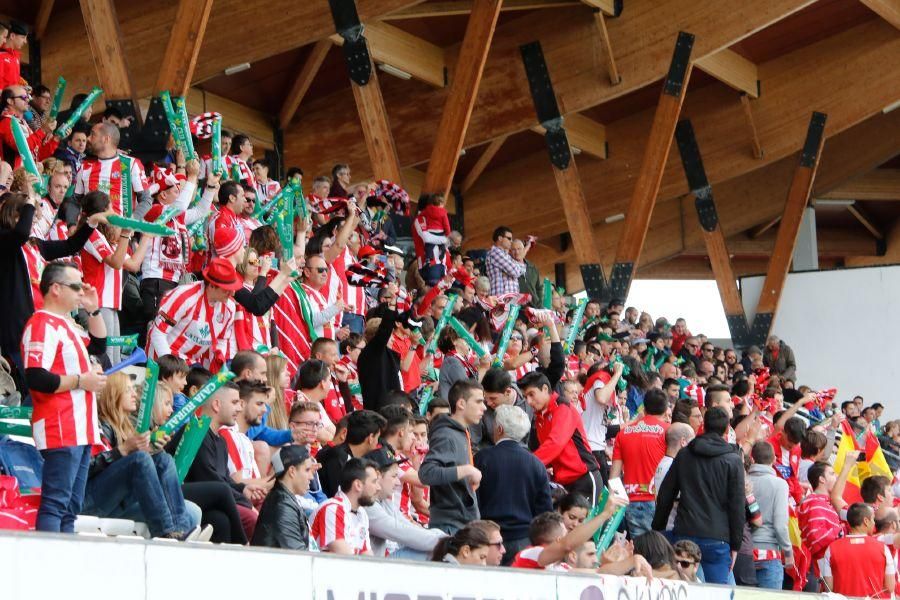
pixel 38 566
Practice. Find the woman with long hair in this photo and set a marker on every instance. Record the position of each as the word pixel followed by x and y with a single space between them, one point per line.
pixel 468 546
pixel 638 384
pixel 657 550
pixel 280 382
pixel 129 478
pixel 252 331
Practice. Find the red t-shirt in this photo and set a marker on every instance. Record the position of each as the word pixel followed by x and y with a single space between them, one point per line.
pixel 640 445
pixel 411 377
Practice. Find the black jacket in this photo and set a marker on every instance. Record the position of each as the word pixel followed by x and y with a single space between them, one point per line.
pixel 210 464
pixel 453 502
pixel 281 523
pixel 514 488
pixel 332 459
pixel 379 367
pixel 707 479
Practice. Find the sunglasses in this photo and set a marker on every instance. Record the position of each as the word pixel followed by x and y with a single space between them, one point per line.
pixel 686 564
pixel 77 287
pixel 24 97
pixel 253 262
pixel 318 269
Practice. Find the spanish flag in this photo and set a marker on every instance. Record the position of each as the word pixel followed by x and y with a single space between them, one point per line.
pixel 874 464
pixel 802 556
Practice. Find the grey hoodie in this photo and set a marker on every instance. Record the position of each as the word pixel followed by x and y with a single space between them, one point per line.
pixel 771 493
pixel 453 503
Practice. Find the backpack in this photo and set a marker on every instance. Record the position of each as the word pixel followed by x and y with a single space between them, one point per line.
pixel 22 461
pixel 9 395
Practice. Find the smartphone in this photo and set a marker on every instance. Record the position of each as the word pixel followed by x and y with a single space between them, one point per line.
pixel 616 487
pixel 274 263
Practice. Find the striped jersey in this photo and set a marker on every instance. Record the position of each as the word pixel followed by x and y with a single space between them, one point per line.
pixel 241 457
pixel 292 329
pixel 529 558
pixel 224 218
pixel 233 162
pixel 335 520
pixel 318 303
pixel 251 330
pixel 267 190
pixel 60 419
pixel 44 219
pixel 106 279
pixel 189 326
pixel 105 175
pixel 354 295
pixel 167 257
pixel 35 264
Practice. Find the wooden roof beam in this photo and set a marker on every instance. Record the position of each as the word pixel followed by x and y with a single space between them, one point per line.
pixel 833 242
pixel 43 17
pixel 237 117
pixel 879 184
pixel 865 220
pixel 889 10
pixel 464 7
pixel 585 135
pixel 185 39
pixel 303 81
pixel 463 89
pixel 733 70
pixel 105 38
pixel 610 8
pixel 481 164
pixel 414 56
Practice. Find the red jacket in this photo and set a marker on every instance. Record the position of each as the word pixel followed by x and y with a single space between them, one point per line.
pixel 563 442
pixel 41 145
pixel 10 68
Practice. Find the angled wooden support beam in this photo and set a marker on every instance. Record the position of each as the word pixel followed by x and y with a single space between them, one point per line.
pixel 605 48
pixel 461 99
pixel 366 92
pixel 643 199
pixel 303 81
pixel 761 229
pixel 585 135
pixel 798 197
pixel 450 8
pixel 713 235
pixel 865 220
pixel 889 10
pixel 612 8
pixel 185 39
pixel 42 18
pixel 879 184
pixel 565 171
pixel 754 135
pixel 411 55
pixel 732 69
pixel 481 164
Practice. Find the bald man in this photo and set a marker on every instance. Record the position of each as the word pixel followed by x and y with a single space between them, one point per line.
pixel 678 435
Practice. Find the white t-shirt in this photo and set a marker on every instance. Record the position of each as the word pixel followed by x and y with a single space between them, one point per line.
pixel 662 470
pixel 594 418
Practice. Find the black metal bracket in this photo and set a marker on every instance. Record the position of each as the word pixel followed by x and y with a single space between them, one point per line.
pixel 559 272
pixel 739 330
pixel 356 50
pixel 813 142
pixel 149 142
pixel 594 281
pixel 696 175
pixel 128 136
pixel 762 323
pixel 598 288
pixel 545 105
pixel 681 59
pixel 34 60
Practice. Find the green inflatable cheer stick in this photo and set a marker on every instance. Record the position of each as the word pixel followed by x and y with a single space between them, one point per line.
pixel 464 334
pixel 66 128
pixel 15 412
pixel 26 155
pixel 191 439
pixel 142 226
pixel 181 417
pixel 57 98
pixel 148 396
pixel 507 332
pixel 122 341
pixel 217 165
pixel 575 328
pixel 442 322
pixel 184 123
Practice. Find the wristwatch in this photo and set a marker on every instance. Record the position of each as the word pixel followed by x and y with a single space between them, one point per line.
pixel 95 313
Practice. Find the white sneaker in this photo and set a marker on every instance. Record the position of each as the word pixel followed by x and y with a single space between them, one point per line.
pixel 206 534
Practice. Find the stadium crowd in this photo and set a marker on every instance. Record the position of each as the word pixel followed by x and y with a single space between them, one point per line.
pixel 363 418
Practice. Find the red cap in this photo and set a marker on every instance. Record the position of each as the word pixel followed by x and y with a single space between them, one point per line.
pixel 227 241
pixel 366 251
pixel 221 273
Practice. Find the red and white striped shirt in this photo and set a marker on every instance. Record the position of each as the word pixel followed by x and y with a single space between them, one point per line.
pixel 60 419
pixel 529 558
pixel 268 190
pixel 335 520
pixel 224 218
pixel 35 264
pixel 334 402
pixel 105 174
pixel 249 224
pixel 292 329
pixel 241 456
pixel 105 278
pixel 168 256
pixel 402 496
pixel 44 219
pixel 251 330
pixel 246 173
pixel 189 326
pixel 353 381
pixel 522 370
pixel 318 303
pixel 354 295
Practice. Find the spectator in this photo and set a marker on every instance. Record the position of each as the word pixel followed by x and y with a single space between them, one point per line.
pixel 638 450
pixel 818 521
pixel 660 555
pixel 41 99
pixel 392 533
pixel 341 525
pixel 448 467
pixel 14 103
pixel 379 366
pixel 574 509
pixel 771 543
pixel 514 486
pixel 467 546
pixel 678 435
pixel 709 476
pixel 282 522
pixel 857 564
pixel 112 171
pixel 502 269
pixel 363 429
pixel 16 34
pixel 780 359
pixel 687 555
pixel 243 463
pixel 598 397
pixel 530 281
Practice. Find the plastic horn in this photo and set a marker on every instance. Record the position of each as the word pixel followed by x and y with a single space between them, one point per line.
pixel 464 334
pixel 189 445
pixel 148 396
pixel 66 128
pixel 26 155
pixel 181 417
pixel 122 341
pixel 184 122
pixel 217 165
pixel 507 332
pixel 575 328
pixel 174 127
pixel 15 412
pixel 137 357
pixel 442 322
pixel 57 98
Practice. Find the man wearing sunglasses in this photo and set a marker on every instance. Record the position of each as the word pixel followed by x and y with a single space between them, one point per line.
pixel 14 102
pixel 63 381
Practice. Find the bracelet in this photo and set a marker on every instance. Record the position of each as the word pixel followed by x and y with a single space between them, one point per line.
pixel 78 381
pixel 95 313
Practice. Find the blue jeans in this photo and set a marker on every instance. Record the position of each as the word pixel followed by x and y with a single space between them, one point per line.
pixel 62 487
pixel 639 517
pixel 141 487
pixel 715 559
pixel 769 574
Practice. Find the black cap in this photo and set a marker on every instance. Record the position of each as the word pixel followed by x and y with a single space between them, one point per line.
pixel 384 457
pixel 408 320
pixel 288 456
pixel 18 27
